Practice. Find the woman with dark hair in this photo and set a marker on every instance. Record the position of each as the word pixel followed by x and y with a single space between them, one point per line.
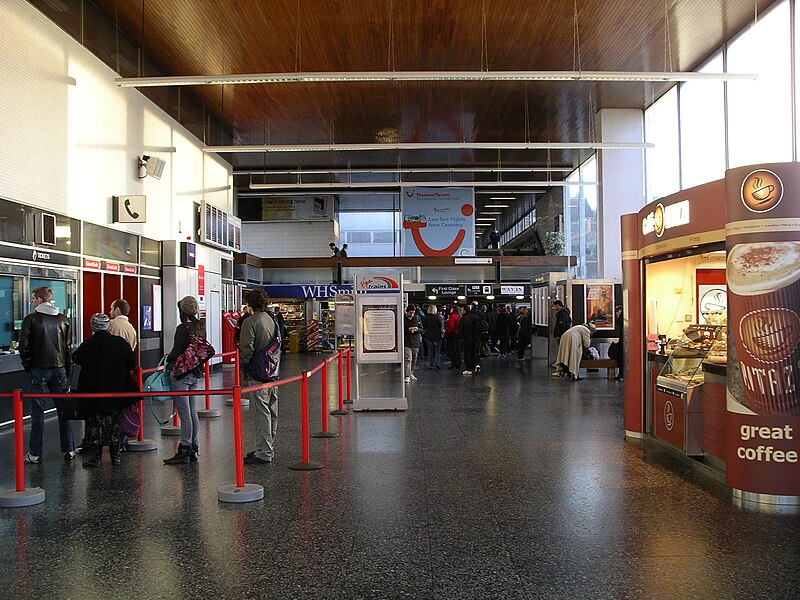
pixel 189 327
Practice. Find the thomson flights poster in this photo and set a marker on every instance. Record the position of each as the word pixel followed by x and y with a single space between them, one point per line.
pixel 438 221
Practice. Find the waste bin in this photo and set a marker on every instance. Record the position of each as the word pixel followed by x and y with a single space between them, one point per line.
pixel 294 341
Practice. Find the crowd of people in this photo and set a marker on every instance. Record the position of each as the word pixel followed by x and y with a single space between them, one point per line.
pixel 465 334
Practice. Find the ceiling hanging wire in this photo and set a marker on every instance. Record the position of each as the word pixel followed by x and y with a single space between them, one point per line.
pixel 576 39
pixel 667 40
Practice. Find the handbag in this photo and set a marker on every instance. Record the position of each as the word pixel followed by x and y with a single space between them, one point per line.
pixel 158 381
pixel 130 420
pixel 196 354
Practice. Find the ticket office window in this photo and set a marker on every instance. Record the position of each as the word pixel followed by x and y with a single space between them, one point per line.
pixel 15 303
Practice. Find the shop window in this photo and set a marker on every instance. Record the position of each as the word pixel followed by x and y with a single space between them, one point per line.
pixel 703 128
pixel 760 111
pixel 662 162
pixel 110 243
pixel 359 237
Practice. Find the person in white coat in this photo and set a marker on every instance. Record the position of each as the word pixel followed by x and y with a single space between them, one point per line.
pixel 570 350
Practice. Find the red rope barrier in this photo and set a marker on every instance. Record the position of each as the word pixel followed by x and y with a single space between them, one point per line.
pixel 19 441
pixel 238 453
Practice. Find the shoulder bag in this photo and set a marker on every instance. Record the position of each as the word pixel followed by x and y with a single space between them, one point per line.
pixel 196 354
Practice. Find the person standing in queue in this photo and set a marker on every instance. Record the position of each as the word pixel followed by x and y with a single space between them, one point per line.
pixel 469 333
pixel 258 331
pixel 119 324
pixel 434 332
pixel 451 332
pixel 412 338
pixel 503 329
pixel 524 332
pixel 106 362
pixel 188 327
pixel 44 350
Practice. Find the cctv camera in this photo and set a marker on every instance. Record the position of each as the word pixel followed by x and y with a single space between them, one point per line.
pixel 143 166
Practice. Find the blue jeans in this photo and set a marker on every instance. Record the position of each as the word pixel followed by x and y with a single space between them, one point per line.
pixel 187 409
pixel 42 381
pixel 434 354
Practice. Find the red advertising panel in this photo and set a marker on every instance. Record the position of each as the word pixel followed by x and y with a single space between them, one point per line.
pixel 763 243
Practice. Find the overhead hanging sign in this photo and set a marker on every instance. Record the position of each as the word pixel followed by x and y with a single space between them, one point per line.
pixel 445 289
pixel 438 221
pixel 304 208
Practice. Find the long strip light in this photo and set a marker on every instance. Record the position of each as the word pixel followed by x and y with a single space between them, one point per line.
pixel 430 146
pixel 362 76
pixel 370 171
pixel 345 185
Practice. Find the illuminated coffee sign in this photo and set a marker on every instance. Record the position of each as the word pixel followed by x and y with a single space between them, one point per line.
pixel 666 217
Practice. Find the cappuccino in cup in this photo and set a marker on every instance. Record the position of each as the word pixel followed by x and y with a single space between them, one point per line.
pixel 764 322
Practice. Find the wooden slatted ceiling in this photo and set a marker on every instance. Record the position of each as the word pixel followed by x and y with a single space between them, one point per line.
pixel 193 37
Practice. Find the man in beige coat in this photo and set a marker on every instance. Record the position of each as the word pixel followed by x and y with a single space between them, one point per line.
pixel 119 324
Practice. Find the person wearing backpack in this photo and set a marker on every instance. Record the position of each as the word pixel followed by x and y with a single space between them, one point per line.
pixel 190 326
pixel 258 332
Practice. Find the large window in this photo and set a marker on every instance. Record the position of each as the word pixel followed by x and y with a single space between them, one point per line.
pixel 703 128
pixel 370 233
pixel 662 162
pixel 580 218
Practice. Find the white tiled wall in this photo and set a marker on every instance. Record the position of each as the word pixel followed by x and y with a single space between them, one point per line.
pixel 285 239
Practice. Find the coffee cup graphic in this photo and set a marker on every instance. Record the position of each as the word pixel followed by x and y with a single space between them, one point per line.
pixel 764 315
pixel 762 190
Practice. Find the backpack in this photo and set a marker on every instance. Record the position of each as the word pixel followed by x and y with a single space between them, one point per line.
pixel 196 354
pixel 481 329
pixel 265 364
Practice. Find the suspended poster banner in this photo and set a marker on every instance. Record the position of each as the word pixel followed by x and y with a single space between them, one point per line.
pixel 438 221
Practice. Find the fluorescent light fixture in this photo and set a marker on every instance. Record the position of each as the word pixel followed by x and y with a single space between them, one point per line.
pixel 496 206
pixel 397 171
pixel 461 297
pixel 491 212
pixel 375 147
pixel 490 297
pixel 361 76
pixel 431 297
pixel 396 185
pixel 502 198
pixel 520 297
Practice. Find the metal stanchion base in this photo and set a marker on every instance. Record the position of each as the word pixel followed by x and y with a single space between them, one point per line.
pixel 211 413
pixel 347 402
pixel 325 434
pixel 245 402
pixel 144 446
pixel 250 492
pixel 170 430
pixel 15 499
pixel 340 413
pixel 309 466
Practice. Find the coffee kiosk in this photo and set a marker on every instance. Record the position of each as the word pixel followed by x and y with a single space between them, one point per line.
pixel 712 336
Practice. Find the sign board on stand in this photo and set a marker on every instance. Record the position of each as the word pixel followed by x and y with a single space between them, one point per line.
pixel 379 343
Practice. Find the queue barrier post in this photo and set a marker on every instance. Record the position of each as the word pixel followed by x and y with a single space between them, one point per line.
pixel 208 412
pixel 349 377
pixel 324 402
pixel 240 491
pixel 341 411
pixel 20 496
pixel 140 444
pixel 305 464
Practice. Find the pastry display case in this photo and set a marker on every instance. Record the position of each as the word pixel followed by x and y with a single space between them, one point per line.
pixel 686 355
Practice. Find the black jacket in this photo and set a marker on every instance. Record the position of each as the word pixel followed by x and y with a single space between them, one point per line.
pixel 106 366
pixel 505 325
pixel 563 322
pixel 434 328
pixel 44 341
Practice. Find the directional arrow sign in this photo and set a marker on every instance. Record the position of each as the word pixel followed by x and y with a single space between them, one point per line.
pixel 444 289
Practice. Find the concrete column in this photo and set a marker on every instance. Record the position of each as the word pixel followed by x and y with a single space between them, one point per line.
pixel 621 177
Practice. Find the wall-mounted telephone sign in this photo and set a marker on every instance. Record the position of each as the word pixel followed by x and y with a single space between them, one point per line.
pixel 129 209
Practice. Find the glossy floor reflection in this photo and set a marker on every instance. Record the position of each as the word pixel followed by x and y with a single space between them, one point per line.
pixel 509 484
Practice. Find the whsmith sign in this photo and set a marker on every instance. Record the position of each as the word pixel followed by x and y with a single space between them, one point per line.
pixel 307 291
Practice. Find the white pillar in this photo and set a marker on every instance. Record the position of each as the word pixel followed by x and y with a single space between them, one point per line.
pixel 621 177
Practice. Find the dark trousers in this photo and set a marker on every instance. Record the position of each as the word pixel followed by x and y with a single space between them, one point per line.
pixel 505 347
pixel 522 343
pixel 453 350
pixel 472 353
pixel 43 381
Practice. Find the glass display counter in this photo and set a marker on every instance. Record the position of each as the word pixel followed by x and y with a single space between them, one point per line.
pixel 678 400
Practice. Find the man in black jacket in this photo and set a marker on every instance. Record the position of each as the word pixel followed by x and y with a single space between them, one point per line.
pixel 563 319
pixel 44 349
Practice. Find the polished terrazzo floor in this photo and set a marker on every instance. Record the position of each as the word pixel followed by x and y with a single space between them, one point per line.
pixel 509 484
